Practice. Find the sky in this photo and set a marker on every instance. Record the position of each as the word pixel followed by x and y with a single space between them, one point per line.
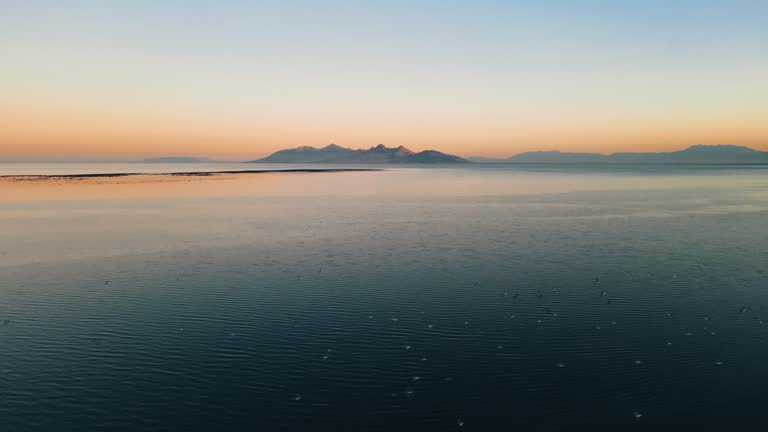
pixel 235 80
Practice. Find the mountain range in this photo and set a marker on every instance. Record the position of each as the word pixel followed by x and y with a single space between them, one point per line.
pixel 379 154
pixel 696 154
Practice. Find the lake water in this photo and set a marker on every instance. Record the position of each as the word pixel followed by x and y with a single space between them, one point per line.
pixel 476 298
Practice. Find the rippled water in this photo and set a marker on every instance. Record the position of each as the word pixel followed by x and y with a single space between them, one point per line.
pixel 473 298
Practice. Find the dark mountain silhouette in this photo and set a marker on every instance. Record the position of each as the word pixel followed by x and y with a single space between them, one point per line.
pixel 696 154
pixel 379 154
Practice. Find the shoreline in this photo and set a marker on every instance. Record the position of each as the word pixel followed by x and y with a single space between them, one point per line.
pixel 33 177
pixel 119 185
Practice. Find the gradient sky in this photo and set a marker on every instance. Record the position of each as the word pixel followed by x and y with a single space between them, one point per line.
pixel 239 79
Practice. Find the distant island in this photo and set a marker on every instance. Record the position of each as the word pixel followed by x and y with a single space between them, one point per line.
pixel 176 159
pixel 696 154
pixel 379 154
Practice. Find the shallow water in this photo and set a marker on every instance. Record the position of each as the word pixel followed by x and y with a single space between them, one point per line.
pixel 495 297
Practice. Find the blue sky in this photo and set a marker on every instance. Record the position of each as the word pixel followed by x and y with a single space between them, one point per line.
pixel 487 77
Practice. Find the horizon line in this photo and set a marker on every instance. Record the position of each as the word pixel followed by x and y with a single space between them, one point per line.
pixel 212 159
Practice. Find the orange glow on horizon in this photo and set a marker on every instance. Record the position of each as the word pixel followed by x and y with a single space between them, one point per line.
pixel 40 132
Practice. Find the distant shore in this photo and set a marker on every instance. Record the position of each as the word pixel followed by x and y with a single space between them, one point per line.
pixel 44 177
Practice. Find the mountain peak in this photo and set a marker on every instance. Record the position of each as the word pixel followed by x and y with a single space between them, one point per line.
pixel 332 147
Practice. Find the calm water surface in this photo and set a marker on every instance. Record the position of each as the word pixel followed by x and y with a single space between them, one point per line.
pixel 474 298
